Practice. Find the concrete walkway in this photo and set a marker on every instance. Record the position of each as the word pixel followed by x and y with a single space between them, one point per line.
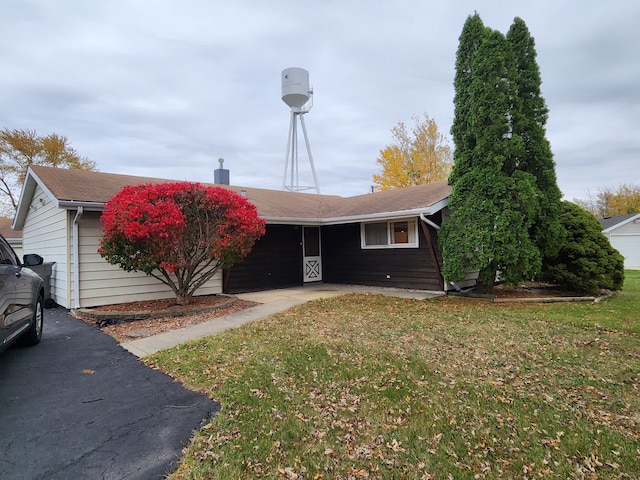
pixel 271 301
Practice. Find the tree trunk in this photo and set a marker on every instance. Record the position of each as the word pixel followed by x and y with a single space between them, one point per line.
pixel 486 280
pixel 183 299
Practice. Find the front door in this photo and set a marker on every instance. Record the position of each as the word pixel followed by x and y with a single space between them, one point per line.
pixel 311 254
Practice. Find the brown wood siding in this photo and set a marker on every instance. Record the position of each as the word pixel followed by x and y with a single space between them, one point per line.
pixel 344 261
pixel 274 262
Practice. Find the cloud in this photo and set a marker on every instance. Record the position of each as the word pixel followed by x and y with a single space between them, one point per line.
pixel 164 88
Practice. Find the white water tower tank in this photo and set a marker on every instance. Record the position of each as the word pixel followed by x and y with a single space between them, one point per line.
pixel 295 87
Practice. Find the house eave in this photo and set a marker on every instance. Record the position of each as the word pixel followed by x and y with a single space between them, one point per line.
pixel 23 205
pixel 32 180
pixel 87 206
pixel 618 225
pixel 380 216
pixel 366 217
pixel 316 221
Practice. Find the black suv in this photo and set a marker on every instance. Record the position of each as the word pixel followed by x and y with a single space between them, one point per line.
pixel 21 299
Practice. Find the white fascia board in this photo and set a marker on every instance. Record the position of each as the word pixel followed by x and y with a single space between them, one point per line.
pixel 369 217
pixel 414 212
pixel 342 220
pixel 29 185
pixel 87 206
pixel 314 221
pixel 373 217
pixel 28 188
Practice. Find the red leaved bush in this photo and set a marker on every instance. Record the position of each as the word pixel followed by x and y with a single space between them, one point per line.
pixel 181 233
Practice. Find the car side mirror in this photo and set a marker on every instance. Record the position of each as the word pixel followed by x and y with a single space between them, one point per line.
pixel 32 259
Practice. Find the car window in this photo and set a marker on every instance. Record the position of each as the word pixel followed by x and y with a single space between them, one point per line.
pixel 7 257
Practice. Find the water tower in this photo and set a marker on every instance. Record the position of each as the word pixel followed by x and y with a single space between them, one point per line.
pixel 298 95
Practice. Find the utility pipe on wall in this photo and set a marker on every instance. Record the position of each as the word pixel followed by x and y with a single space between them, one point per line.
pixel 76 261
pixel 432 251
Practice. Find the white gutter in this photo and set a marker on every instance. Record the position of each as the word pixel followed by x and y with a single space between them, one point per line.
pixel 365 217
pixel 76 261
pixel 313 221
pixel 429 222
pixel 89 206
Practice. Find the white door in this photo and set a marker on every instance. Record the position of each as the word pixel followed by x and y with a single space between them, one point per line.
pixel 312 260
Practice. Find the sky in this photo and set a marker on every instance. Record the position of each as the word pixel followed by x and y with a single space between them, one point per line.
pixel 164 88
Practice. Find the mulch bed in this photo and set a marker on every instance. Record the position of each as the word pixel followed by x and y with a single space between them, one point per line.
pixel 533 290
pixel 168 304
pixel 133 320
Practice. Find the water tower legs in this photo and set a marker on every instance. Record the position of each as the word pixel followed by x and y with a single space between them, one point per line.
pixel 292 153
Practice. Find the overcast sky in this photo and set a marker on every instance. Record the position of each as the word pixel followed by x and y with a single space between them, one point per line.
pixel 164 88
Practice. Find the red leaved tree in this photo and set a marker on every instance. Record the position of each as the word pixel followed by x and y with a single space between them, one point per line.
pixel 181 233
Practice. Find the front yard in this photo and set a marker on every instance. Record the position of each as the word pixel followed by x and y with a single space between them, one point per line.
pixel 366 386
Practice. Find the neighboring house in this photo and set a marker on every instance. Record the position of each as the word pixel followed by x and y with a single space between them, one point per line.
pixel 623 231
pixel 14 237
pixel 386 239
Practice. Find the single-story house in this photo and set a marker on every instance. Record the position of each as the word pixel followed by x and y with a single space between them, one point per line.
pixel 386 239
pixel 13 237
pixel 623 231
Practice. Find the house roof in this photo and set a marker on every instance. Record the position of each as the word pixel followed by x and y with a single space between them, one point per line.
pixel 611 223
pixel 91 190
pixel 8 232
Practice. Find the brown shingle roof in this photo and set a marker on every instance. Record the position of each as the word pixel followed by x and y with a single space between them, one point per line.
pixel 81 186
pixel 85 186
pixel 6 230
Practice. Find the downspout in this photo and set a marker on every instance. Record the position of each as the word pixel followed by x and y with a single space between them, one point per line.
pixel 432 250
pixel 429 222
pixel 76 260
pixel 437 227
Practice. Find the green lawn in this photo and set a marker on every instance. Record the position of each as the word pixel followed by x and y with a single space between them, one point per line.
pixel 366 386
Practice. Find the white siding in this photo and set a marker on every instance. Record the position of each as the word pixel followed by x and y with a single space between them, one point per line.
pixel 629 228
pixel 629 247
pixel 626 239
pixel 16 244
pixel 48 231
pixel 104 284
pixel 45 233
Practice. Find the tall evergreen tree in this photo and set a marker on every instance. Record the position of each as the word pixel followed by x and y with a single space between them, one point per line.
pixel 546 231
pixel 463 135
pixel 493 204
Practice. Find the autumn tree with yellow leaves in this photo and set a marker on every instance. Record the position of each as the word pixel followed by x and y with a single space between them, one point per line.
pixel 21 148
pixel 609 202
pixel 414 157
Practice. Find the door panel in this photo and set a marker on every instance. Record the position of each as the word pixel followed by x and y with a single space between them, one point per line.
pixel 312 259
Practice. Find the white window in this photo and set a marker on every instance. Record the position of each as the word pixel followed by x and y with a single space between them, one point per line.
pixel 396 234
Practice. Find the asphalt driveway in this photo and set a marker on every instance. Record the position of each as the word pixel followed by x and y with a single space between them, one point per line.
pixel 80 406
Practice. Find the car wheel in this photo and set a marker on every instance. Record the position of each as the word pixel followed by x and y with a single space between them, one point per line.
pixel 34 334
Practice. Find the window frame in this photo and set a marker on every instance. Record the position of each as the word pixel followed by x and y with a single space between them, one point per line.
pixel 412 226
